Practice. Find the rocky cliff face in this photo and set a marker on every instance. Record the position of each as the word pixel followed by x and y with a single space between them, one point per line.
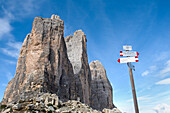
pixel 101 89
pixel 43 65
pixel 48 63
pixel 77 54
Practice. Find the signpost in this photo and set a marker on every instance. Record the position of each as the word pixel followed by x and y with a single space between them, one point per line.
pixel 129 53
pixel 126 47
pixel 131 66
pixel 128 60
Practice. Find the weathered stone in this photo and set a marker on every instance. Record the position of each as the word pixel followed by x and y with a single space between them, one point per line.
pixel 30 106
pixel 77 54
pixel 51 108
pixel 17 106
pixel 43 65
pixel 114 110
pixel 101 89
pixel 7 110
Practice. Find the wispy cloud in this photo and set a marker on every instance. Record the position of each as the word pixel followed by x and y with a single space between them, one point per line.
pixel 17 9
pixel 150 70
pixel 5 27
pixel 165 81
pixel 145 73
pixel 142 98
pixel 9 61
pixel 12 49
pixel 162 108
pixel 162 56
pixel 165 70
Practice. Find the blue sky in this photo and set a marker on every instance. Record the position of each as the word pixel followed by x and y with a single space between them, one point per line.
pixel 108 25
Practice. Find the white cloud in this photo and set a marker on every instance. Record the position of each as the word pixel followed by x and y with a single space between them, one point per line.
pixel 162 108
pixel 150 70
pixel 153 68
pixel 16 45
pixel 166 69
pixel 162 56
pixel 5 27
pixel 142 98
pixel 12 49
pixel 165 81
pixel 10 61
pixel 17 9
pixel 145 73
pixel 12 53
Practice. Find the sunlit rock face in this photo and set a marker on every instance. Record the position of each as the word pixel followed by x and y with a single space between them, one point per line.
pixel 43 65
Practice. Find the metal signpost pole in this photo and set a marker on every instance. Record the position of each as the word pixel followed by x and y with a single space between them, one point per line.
pixel 133 91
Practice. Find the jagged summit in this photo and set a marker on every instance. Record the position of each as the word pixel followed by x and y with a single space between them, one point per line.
pixel 76 35
pixel 55 17
pixel 50 63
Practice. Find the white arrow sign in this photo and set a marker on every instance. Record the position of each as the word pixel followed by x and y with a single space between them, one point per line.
pixel 131 66
pixel 129 53
pixel 128 59
pixel 127 47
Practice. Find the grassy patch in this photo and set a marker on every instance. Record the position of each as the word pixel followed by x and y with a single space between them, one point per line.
pixel 3 106
pixel 49 105
pixel 50 111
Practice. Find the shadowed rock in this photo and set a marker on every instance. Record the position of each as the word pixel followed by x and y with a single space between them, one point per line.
pixel 77 54
pixel 101 89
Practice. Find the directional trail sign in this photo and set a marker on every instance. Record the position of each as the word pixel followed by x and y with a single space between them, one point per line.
pixel 127 47
pixel 129 53
pixel 128 59
pixel 131 56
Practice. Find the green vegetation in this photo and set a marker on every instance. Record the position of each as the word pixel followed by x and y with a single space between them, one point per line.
pixel 50 111
pixel 43 110
pixel 11 110
pixel 3 106
pixel 49 104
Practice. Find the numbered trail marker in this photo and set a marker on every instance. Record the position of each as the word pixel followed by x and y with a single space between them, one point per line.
pixel 127 47
pixel 131 56
pixel 129 53
pixel 128 59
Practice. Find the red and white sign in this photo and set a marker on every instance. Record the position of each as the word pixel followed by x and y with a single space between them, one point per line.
pixel 128 59
pixel 131 66
pixel 129 53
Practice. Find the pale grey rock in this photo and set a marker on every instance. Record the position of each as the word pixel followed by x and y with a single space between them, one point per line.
pixel 114 110
pixel 77 54
pixel 17 106
pixel 51 108
pixel 30 106
pixel 7 110
pixel 101 89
